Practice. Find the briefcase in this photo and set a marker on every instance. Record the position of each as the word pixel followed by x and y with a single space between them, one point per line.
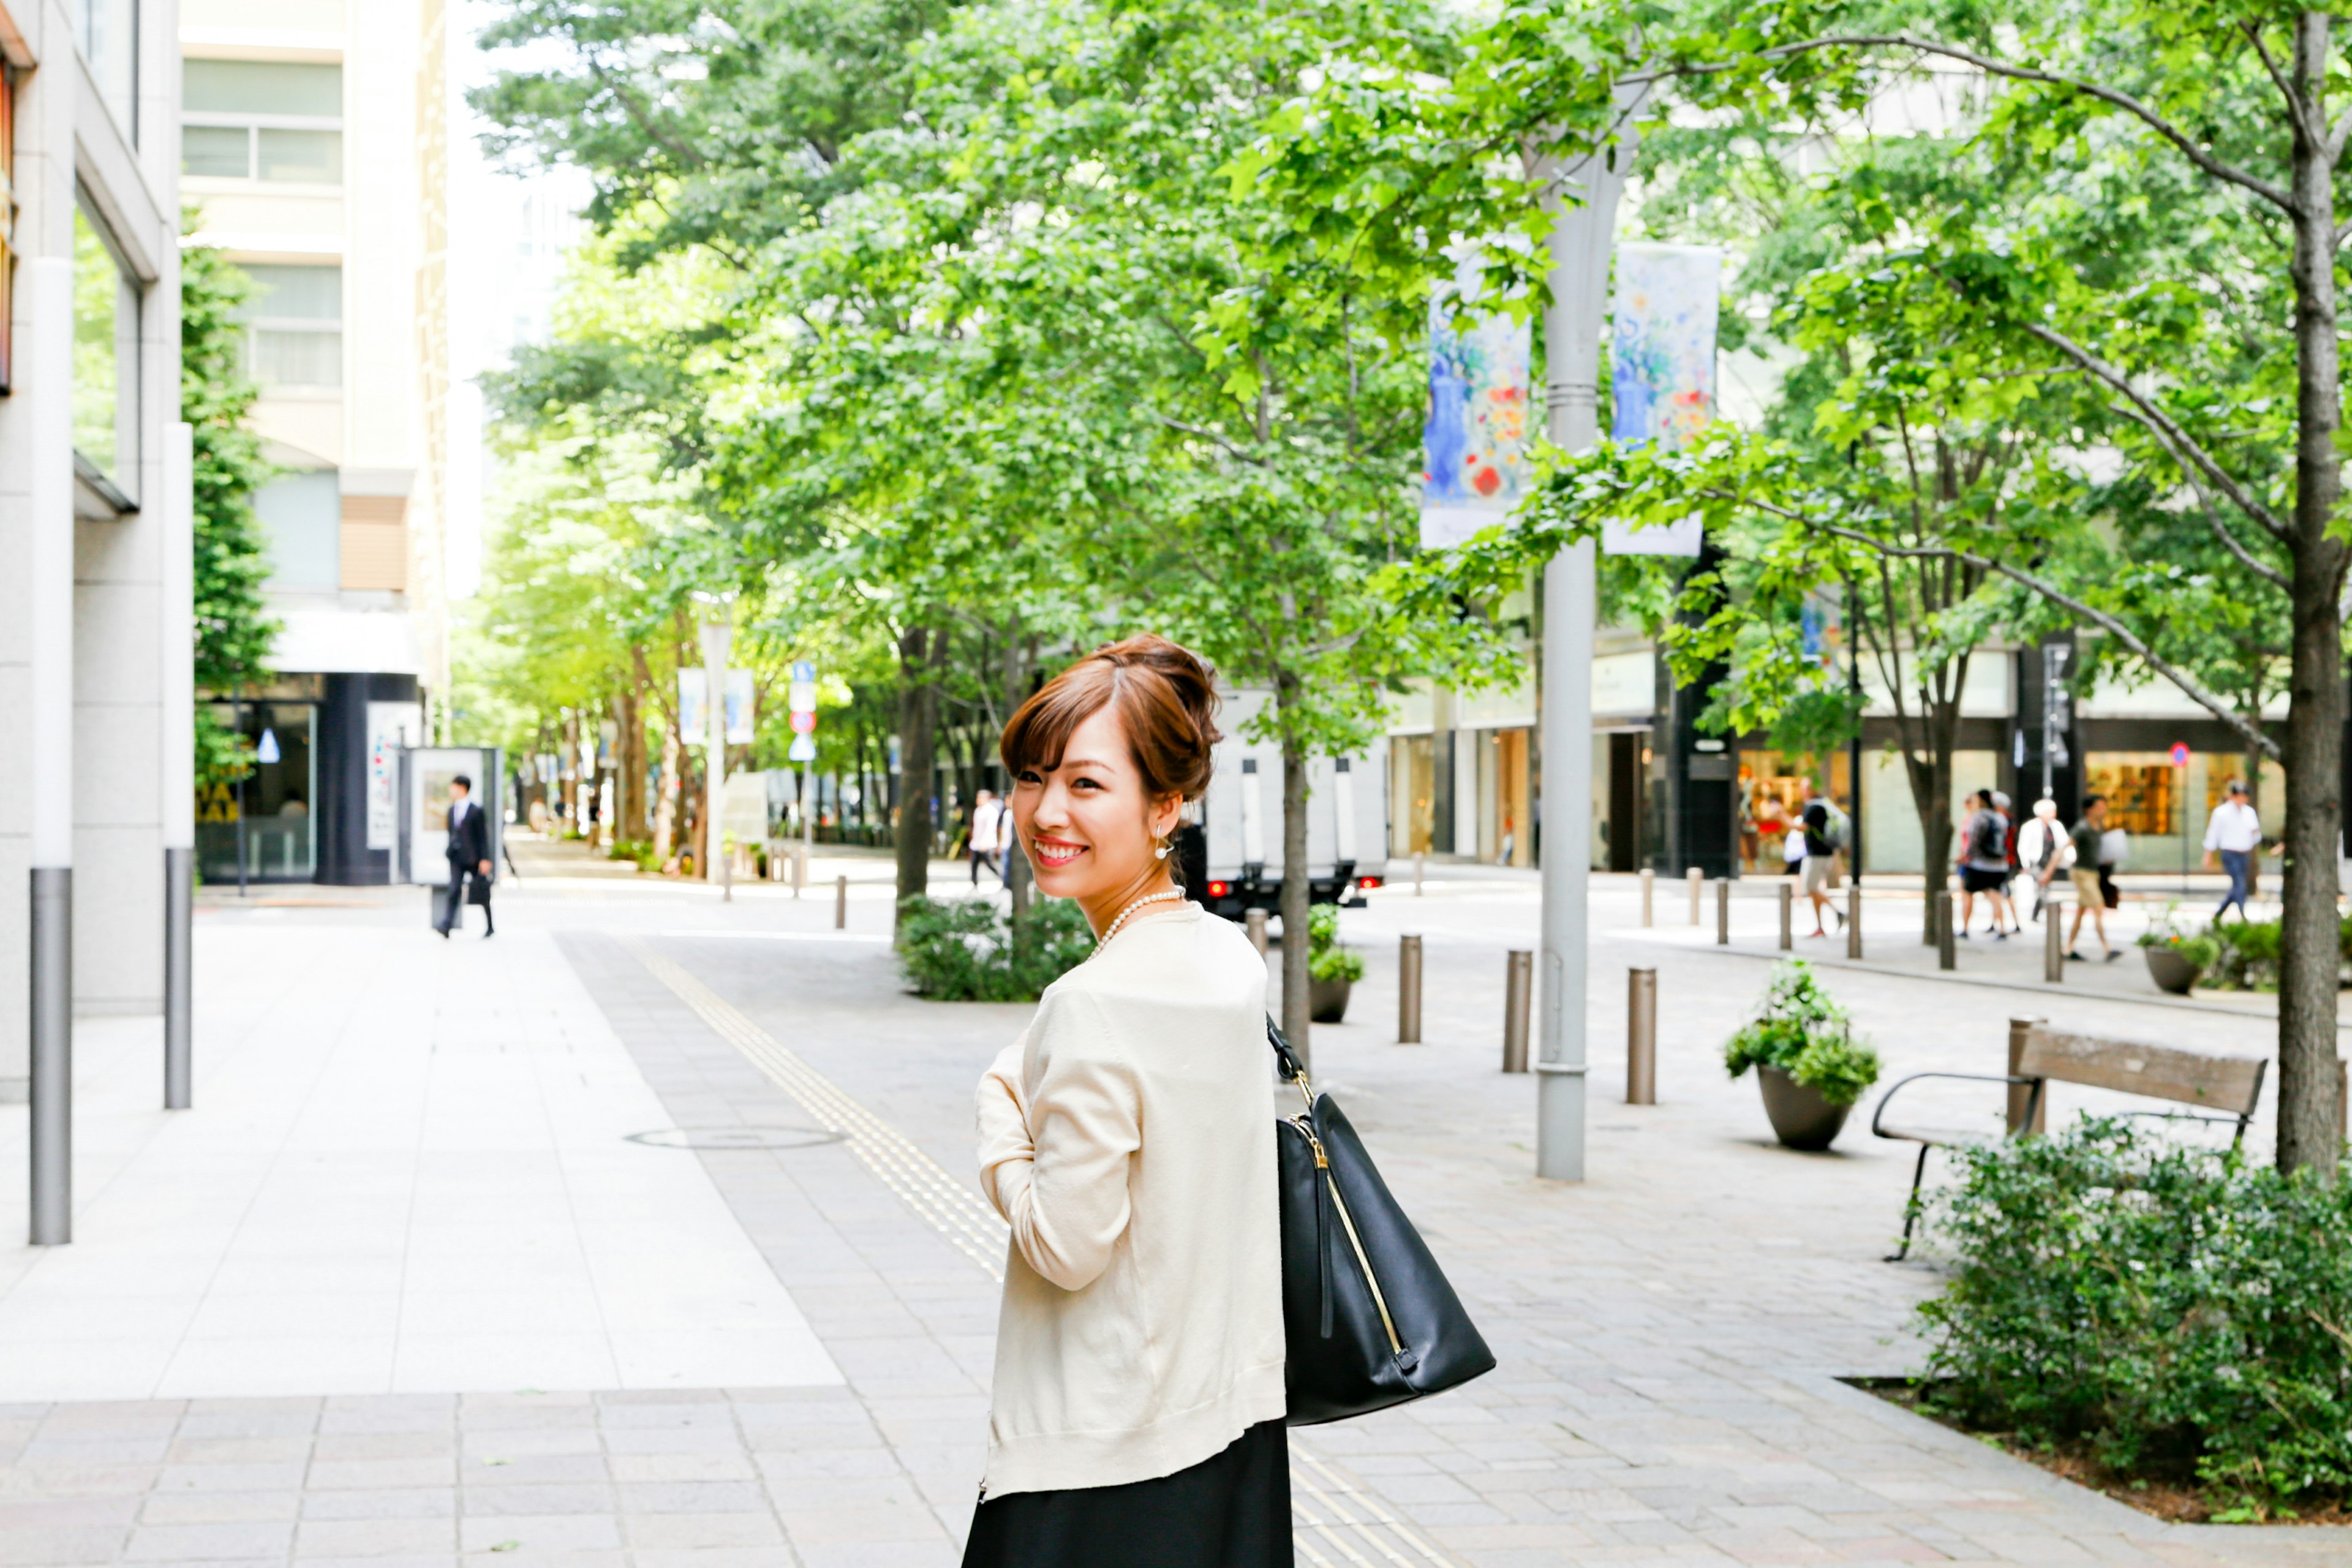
pixel 477 890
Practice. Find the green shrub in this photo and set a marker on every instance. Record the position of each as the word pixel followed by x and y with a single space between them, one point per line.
pixel 1326 959
pixel 967 950
pixel 1806 1034
pixel 2168 1306
pixel 637 849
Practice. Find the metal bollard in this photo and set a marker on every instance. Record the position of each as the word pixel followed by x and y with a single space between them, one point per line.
pixel 841 903
pixel 2020 1095
pixel 1416 874
pixel 1723 912
pixel 1408 991
pixel 1649 888
pixel 1518 989
pixel 1696 877
pixel 1255 923
pixel 2053 943
pixel 1947 953
pixel 1788 916
pixel 799 868
pixel 1854 919
pixel 1641 1037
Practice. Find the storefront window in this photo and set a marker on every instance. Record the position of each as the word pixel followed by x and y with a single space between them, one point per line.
pixel 1412 788
pixel 1771 800
pixel 106 361
pixel 2165 807
pixel 273 805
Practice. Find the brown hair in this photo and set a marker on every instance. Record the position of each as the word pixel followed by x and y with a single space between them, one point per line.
pixel 1166 698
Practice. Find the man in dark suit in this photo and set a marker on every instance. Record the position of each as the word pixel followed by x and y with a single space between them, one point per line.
pixel 469 855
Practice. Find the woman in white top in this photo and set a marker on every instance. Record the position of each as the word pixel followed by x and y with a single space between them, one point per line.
pixel 1127 1139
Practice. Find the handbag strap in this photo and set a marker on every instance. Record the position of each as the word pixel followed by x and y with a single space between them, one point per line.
pixel 1293 1070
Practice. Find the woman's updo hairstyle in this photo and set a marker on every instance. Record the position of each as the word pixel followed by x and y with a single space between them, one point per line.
pixel 1167 700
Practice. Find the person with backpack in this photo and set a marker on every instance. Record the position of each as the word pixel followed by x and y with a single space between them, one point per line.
pixel 1820 863
pixel 1984 867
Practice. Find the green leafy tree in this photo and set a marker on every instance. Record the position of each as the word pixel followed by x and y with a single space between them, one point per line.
pixel 233 631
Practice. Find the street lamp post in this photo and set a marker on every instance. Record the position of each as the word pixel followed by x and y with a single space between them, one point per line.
pixel 1579 291
pixel 714 677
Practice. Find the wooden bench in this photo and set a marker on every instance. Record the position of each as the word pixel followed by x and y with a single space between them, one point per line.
pixel 2226 1089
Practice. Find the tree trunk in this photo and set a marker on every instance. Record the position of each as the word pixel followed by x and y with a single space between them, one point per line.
pixel 628 760
pixel 572 770
pixel 1296 894
pixel 666 817
pixel 918 742
pixel 2310 951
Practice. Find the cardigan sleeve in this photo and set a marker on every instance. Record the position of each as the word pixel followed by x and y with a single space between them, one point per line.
pixel 1060 1114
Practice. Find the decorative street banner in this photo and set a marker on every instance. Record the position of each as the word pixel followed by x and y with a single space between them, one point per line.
pixel 694 714
pixel 1662 368
pixel 1476 440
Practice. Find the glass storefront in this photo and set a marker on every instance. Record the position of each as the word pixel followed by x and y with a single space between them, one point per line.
pixel 273 805
pixel 1412 790
pixel 1771 800
pixel 2165 808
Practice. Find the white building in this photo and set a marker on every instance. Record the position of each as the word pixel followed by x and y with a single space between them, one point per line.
pixel 93 610
pixel 316 135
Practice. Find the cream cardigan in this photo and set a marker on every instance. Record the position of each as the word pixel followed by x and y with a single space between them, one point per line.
pixel 1128 1137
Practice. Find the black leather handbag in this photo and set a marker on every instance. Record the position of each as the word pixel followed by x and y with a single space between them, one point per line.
pixel 1368 1318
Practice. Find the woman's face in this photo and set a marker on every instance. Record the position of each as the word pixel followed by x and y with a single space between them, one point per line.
pixel 1087 824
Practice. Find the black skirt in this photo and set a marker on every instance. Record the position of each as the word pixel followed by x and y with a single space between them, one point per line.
pixel 1230 1510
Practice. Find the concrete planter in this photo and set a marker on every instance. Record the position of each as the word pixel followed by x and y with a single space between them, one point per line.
pixel 1802 1117
pixel 1327 1000
pixel 2170 971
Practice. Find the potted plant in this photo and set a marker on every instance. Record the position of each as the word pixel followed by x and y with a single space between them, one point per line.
pixel 1332 971
pixel 1810 1065
pixel 2176 959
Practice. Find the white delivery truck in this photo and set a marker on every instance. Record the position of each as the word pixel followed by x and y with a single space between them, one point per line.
pixel 1229 851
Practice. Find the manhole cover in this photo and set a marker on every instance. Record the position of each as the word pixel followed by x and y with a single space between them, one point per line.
pixel 735 1137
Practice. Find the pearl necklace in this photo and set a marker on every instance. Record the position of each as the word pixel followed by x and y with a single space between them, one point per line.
pixel 1121 919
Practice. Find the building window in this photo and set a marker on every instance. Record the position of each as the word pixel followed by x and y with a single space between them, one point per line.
pixel 294 325
pixel 263 822
pixel 263 120
pixel 107 31
pixel 301 516
pixel 106 361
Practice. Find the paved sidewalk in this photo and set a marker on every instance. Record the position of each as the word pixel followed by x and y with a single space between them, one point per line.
pixel 1672 1331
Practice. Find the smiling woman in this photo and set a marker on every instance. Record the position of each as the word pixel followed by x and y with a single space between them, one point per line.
pixel 1136 1413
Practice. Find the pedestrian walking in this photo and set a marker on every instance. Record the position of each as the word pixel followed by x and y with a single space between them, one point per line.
pixel 469 859
pixel 1820 863
pixel 985 843
pixel 2044 850
pixel 1984 865
pixel 2091 876
pixel 1137 1411
pixel 2234 832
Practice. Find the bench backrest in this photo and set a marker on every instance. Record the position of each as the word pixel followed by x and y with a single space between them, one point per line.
pixel 2229 1085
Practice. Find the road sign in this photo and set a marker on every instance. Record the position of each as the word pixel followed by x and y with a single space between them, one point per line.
pixel 2179 753
pixel 801 696
pixel 804 670
pixel 804 749
pixel 804 723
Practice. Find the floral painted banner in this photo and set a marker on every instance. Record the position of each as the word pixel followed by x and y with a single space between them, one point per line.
pixel 1475 443
pixel 1662 367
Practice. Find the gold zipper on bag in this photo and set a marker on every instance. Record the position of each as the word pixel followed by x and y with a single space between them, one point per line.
pixel 1348 1222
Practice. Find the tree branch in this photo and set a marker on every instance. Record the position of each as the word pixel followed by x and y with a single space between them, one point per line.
pixel 2277 195
pixel 2219 707
pixel 2312 126
pixel 2267 573
pixel 2186 445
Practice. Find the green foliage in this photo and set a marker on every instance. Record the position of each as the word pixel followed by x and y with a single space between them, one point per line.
pixel 1801 1030
pixel 232 632
pixel 637 851
pixel 2166 1305
pixel 968 950
pixel 1326 959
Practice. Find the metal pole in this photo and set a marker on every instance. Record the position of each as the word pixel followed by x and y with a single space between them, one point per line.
pixel 841 903
pixel 47 740
pixel 714 678
pixel 1408 991
pixel 1788 916
pixel 1253 922
pixel 178 782
pixel 2053 940
pixel 1520 967
pixel 1696 877
pixel 237 719
pixel 1853 919
pixel 1416 874
pixel 1579 281
pixel 1649 890
pixel 1641 1037
pixel 1723 912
